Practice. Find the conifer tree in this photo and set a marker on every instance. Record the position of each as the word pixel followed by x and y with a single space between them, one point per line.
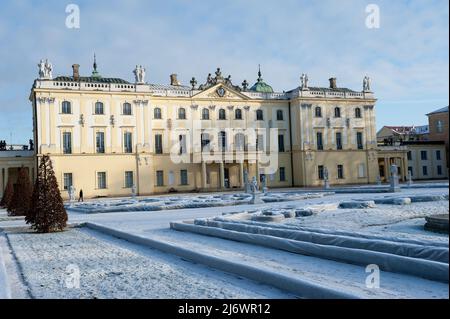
pixel 46 213
pixel 7 195
pixel 20 201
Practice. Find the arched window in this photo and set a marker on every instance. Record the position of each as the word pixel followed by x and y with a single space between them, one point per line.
pixel 126 109
pixel 337 112
pixel 222 114
pixel 259 115
pixel 181 113
pixel 205 114
pixel 157 113
pixel 358 112
pixel 239 142
pixel 238 114
pixel 66 108
pixel 279 115
pixel 318 111
pixel 99 109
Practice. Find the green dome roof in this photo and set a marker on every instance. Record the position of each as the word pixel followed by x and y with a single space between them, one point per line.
pixel 261 86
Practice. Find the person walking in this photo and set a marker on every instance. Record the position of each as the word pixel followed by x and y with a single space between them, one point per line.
pixel 80 198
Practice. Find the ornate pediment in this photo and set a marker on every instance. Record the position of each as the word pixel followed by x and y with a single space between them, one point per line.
pixel 221 91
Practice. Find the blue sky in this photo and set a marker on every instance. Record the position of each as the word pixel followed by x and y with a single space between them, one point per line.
pixel 407 57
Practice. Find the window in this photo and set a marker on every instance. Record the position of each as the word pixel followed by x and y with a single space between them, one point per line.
pixel 182 139
pixel 337 112
pixel 205 114
pixel 340 171
pixel 158 144
pixel 439 170
pixel 159 178
pixel 66 108
pixel 183 177
pixel 205 141
pixel 425 170
pixel 67 181
pixel 409 155
pixel 239 142
pixel 423 155
pixel 128 142
pixel 67 142
pixel 101 180
pixel 157 113
pixel 259 142
pixel 126 109
pixel 319 141
pixel 440 126
pixel 361 171
pixel 259 115
pixel 280 143
pixel 359 140
pixel 181 113
pixel 282 174
pixel 358 113
pixel 339 141
pixel 279 115
pixel 411 170
pixel 318 111
pixel 238 114
pixel 129 179
pixel 222 114
pixel 100 142
pixel 438 155
pixel 99 109
pixel 320 172
pixel 222 140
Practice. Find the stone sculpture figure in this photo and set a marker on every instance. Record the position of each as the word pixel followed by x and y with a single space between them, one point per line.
pixel 45 69
pixel 139 74
pixel 395 186
pixel 366 84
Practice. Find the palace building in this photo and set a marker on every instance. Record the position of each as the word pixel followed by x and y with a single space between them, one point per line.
pixel 111 137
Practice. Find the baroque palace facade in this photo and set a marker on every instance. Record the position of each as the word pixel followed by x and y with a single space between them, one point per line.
pixel 109 137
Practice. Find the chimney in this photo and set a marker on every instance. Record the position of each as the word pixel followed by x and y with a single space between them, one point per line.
pixel 333 83
pixel 174 80
pixel 76 72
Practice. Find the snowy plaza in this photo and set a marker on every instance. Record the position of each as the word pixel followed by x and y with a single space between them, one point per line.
pixel 296 243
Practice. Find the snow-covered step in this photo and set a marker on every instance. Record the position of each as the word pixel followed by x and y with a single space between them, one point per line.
pixel 314 277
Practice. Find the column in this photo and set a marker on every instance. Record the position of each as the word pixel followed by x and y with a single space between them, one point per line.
pixel 203 174
pixel 241 173
pixel 222 175
pixel 386 169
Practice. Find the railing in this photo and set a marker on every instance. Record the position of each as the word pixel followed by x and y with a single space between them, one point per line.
pixel 15 147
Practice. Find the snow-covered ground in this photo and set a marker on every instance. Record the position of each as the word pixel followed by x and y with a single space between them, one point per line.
pixel 112 268
pixel 386 221
pixel 155 203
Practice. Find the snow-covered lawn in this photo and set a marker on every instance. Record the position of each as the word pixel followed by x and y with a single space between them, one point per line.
pixel 155 203
pixel 112 268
